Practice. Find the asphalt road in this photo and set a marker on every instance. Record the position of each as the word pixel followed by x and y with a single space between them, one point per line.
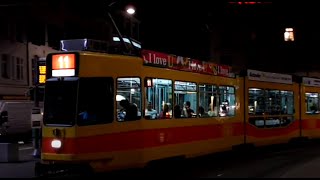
pixel 273 162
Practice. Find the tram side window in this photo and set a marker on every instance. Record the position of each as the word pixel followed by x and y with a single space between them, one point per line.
pixel 279 102
pixel 277 107
pixel 208 101
pixel 128 99
pixel 312 103
pixel 95 101
pixel 185 99
pixel 257 103
pixel 227 101
pixel 158 99
pixel 272 102
pixel 287 105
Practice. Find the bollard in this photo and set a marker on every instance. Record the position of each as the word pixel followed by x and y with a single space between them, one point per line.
pixel 36 132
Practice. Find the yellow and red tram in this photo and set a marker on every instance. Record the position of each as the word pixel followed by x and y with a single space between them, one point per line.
pixel 114 111
pixel 309 105
pixel 272 103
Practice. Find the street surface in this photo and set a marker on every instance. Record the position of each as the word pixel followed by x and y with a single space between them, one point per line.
pixel 273 162
pixel 24 168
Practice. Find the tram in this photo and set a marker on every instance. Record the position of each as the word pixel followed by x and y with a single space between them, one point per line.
pixel 106 112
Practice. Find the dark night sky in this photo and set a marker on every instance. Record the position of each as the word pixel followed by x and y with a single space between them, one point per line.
pixel 176 27
pixel 179 27
pixel 173 27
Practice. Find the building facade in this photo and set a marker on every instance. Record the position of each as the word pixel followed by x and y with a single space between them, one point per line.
pixel 17 64
pixel 31 29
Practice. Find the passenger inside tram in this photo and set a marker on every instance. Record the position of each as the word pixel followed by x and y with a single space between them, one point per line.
pixel 201 111
pixel 187 111
pixel 150 113
pixel 165 114
pixel 129 111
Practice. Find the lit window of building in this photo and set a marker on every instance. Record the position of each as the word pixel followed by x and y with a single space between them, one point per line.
pixel 288 34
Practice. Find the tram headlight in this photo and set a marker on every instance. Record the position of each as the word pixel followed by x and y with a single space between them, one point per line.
pixel 56 143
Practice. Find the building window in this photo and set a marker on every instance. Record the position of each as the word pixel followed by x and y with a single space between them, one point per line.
pixel 19 68
pixel 4 30
pixel 12 71
pixel 5 66
pixel 288 34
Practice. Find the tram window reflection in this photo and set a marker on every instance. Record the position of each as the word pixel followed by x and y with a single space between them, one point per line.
pixel 95 104
pixel 276 106
pixel 158 99
pixel 227 101
pixel 208 104
pixel 287 105
pixel 128 99
pixel 312 103
pixel 272 102
pixel 186 98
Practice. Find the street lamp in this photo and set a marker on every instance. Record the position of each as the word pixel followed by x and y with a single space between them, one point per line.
pixel 115 25
pixel 130 10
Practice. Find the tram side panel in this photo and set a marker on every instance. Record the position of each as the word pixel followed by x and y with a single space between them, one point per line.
pixel 272 108
pixel 310 114
pixel 189 137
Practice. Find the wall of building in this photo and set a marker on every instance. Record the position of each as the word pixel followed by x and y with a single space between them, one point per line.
pixel 16 69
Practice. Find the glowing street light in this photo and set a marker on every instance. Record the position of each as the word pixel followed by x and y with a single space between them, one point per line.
pixel 131 10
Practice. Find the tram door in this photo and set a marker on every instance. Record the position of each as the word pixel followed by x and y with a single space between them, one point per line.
pixel 161 97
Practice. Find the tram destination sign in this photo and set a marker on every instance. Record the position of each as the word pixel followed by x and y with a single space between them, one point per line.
pixel 269 77
pixel 311 81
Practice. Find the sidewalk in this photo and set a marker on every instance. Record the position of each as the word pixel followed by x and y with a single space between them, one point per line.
pixel 22 169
